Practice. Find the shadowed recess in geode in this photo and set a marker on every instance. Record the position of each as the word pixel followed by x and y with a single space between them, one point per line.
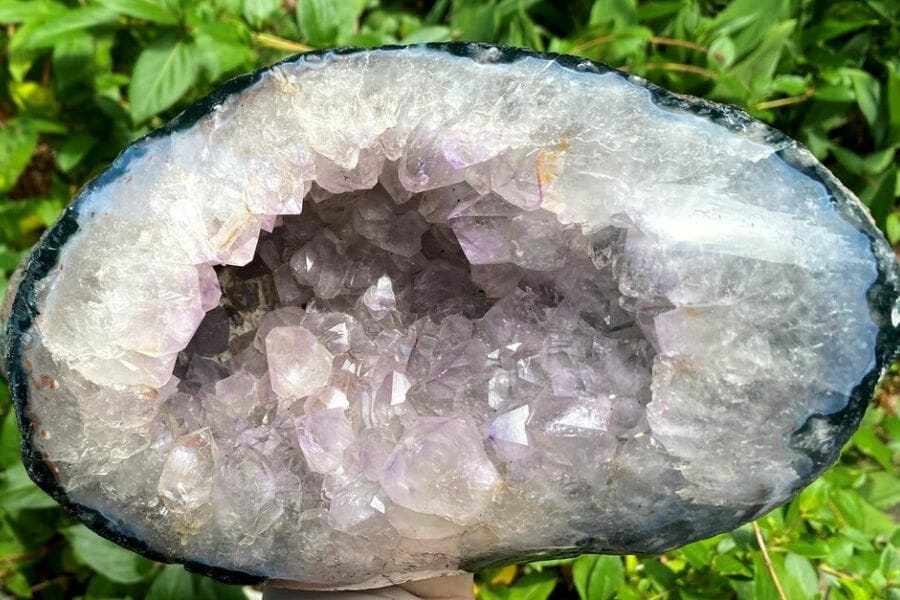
pixel 387 314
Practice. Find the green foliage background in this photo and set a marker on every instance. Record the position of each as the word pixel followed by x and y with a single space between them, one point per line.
pixel 80 79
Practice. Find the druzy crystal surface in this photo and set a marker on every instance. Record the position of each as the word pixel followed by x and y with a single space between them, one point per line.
pixel 376 315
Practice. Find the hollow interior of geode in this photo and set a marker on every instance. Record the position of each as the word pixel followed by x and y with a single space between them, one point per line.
pixel 389 363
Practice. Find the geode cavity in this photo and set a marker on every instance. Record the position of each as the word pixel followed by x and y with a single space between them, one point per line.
pixel 367 316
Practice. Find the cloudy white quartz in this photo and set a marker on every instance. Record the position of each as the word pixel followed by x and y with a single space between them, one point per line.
pixel 384 314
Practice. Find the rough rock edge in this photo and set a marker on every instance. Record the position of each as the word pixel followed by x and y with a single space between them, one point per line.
pixel 882 295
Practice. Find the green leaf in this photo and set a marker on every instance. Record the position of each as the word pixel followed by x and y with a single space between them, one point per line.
pixel 881 204
pixel 749 22
pixel 892 228
pixel 148 10
pixel 164 71
pixel 18 585
pixel 221 48
pixel 893 98
pixel 73 150
pixel 325 22
pixel 865 438
pixel 798 577
pixel 12 11
pixel 722 51
pixel 534 586
pixel 18 492
pixel 862 516
pixel 171 582
pixel 728 564
pixel 9 430
pixel 597 577
pixel 756 70
pixel 69 24
pixel 618 14
pixel 882 489
pixel 257 12
pixel 434 33
pixel 108 559
pixel 18 140
pixel 763 584
pixel 868 94
pixel 889 562
pixel 477 21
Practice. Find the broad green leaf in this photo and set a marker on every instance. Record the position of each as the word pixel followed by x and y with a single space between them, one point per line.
pixel 597 577
pixel 660 574
pixel 757 69
pixel 798 577
pixel 763 584
pixel 257 12
pixel 810 549
pixel 648 11
pixel 534 586
pixel 881 205
pixel 171 582
pixel 18 139
pixel 148 10
pixel 697 554
pixel 9 430
pixel 619 14
pixel 108 559
pixel 749 22
pixel 326 22
pixel 728 564
pixel 18 492
pixel 792 85
pixel 434 33
pixel 68 24
pixel 162 74
pixel 18 585
pixel 892 229
pixel 478 22
pixel 882 489
pixel 893 97
pixel 868 94
pixel 889 563
pixel 75 59
pixel 721 51
pixel 221 48
pixel 861 516
pixel 17 11
pixel 865 438
pixel 73 150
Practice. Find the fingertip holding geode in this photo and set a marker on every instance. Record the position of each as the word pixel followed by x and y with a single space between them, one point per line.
pixel 371 316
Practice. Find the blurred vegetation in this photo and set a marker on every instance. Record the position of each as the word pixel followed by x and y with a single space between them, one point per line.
pixel 80 79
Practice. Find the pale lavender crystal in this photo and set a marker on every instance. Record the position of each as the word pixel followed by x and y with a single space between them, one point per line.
pixel 323 437
pixel 439 467
pixel 298 363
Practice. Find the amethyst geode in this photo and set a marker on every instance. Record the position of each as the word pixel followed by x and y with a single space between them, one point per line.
pixel 369 316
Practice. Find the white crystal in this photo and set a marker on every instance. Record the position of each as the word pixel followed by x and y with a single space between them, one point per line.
pixel 186 481
pixel 298 362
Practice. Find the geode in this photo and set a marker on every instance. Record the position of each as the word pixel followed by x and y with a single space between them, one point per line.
pixel 370 316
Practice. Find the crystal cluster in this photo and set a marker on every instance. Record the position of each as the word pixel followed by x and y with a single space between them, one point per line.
pixel 381 315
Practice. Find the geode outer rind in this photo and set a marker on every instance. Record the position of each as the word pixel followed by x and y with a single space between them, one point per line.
pixel 837 426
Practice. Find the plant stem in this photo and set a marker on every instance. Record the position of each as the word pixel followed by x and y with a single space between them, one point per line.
pixel 768 560
pixel 278 43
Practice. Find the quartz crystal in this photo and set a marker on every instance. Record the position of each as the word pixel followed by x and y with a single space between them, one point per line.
pixel 371 316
